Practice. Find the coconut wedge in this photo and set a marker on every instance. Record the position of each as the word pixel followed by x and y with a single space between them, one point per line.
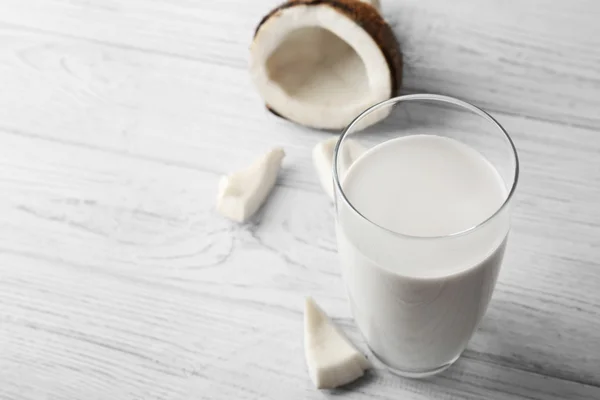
pixel 331 358
pixel 242 193
pixel 320 63
pixel 323 161
pixel 322 156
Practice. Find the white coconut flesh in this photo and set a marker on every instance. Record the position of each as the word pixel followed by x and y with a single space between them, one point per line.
pixel 316 66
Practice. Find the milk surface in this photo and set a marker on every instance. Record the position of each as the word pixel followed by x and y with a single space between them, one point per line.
pixel 417 285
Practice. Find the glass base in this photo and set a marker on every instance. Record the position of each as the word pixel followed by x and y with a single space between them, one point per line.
pixel 418 373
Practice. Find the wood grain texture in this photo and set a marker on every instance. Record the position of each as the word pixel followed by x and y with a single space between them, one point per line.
pixel 537 57
pixel 119 280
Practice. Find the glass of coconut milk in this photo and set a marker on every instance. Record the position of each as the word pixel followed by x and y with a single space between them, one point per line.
pixel 422 218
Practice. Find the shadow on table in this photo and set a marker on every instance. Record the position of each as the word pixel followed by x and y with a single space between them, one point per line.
pixel 537 362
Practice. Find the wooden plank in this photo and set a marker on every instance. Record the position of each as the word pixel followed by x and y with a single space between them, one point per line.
pixel 539 58
pixel 101 249
pixel 122 336
pixel 190 114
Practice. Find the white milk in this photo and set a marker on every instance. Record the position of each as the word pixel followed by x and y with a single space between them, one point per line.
pixel 417 300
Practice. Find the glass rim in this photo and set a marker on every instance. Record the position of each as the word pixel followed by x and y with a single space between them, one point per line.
pixel 440 99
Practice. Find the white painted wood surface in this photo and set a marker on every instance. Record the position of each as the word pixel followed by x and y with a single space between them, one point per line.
pixel 118 279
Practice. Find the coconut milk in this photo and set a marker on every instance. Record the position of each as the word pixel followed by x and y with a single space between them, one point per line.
pixel 417 288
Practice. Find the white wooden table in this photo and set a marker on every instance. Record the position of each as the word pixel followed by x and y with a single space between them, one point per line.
pixel 118 280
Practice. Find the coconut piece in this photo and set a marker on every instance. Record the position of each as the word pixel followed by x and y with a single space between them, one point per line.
pixel 320 63
pixel 242 193
pixel 323 160
pixel 351 151
pixel 331 358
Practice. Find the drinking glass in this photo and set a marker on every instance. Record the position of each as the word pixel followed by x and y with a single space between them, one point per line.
pixel 418 325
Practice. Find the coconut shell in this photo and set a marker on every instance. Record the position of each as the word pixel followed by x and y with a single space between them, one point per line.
pixel 368 18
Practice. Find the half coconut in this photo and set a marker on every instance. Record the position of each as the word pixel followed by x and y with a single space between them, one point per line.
pixel 320 63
